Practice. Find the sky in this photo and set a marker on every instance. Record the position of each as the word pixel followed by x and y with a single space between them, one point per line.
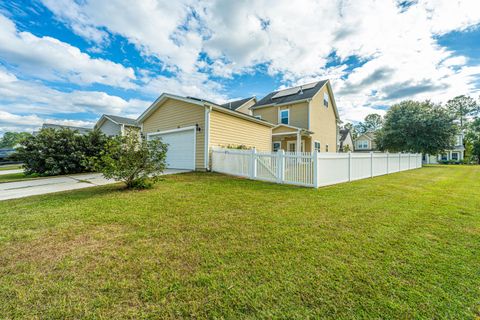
pixel 69 62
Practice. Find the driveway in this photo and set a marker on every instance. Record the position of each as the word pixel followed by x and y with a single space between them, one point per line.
pixel 20 189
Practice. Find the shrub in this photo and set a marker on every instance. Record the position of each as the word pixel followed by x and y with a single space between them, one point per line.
pixel 132 160
pixel 59 151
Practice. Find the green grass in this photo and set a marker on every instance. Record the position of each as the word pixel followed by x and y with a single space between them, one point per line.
pixel 10 167
pixel 199 245
pixel 13 177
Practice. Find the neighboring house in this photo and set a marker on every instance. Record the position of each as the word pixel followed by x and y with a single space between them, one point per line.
pixel 115 125
pixel 345 140
pixel 305 117
pixel 456 154
pixel 365 142
pixel 192 126
pixel 80 130
pixel 242 105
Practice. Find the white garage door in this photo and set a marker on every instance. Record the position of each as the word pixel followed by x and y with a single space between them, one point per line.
pixel 181 148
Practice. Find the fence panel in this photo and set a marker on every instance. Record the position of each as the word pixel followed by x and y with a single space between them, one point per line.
pixel 310 169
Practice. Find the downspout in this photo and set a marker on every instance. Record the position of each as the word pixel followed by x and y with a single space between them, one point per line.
pixel 208 109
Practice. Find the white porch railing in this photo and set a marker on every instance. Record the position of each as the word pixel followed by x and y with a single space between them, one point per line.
pixel 310 169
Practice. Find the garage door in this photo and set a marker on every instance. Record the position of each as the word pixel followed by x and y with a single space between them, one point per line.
pixel 181 148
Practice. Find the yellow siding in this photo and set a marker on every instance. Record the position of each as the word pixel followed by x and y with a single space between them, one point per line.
pixel 230 130
pixel 173 114
pixel 298 114
pixel 323 122
pixel 284 130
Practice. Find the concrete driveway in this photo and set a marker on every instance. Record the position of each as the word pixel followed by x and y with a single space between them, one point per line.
pixel 20 189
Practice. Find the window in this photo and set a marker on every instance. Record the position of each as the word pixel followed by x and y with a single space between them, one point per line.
pixel 276 146
pixel 362 144
pixel 325 99
pixel 444 157
pixel 258 117
pixel 459 140
pixel 455 156
pixel 284 116
pixel 326 148
pixel 317 146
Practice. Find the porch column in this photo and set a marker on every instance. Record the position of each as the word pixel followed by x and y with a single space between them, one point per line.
pixel 299 142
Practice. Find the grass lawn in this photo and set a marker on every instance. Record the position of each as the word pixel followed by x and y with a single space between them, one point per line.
pixel 199 245
pixel 13 177
pixel 10 167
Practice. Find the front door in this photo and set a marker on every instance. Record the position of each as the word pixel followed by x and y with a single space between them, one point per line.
pixel 292 146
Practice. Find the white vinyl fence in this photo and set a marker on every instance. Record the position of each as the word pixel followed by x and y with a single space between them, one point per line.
pixel 310 169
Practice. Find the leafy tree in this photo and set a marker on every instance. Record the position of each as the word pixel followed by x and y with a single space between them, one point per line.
pixel 473 137
pixel 412 126
pixel 351 127
pixel 11 139
pixel 461 108
pixel 132 160
pixel 59 151
pixel 371 123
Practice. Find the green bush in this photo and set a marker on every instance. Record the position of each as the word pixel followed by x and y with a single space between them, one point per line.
pixel 59 151
pixel 132 160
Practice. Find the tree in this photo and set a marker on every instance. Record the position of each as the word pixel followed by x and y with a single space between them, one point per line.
pixel 11 139
pixel 473 138
pixel 132 160
pixel 461 108
pixel 371 123
pixel 421 127
pixel 59 151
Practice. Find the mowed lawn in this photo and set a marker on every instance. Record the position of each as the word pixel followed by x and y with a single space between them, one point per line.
pixel 206 245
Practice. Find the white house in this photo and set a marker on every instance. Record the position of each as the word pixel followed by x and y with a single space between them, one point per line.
pixel 455 154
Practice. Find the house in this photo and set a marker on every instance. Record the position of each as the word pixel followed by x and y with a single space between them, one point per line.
pixel 345 142
pixel 114 125
pixel 192 126
pixel 365 142
pixel 80 130
pixel 242 105
pixel 456 154
pixel 305 117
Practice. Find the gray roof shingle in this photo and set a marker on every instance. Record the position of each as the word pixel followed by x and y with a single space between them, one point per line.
pixel 234 105
pixel 301 95
pixel 123 120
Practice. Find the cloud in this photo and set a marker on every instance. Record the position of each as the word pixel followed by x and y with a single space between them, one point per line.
pixel 50 59
pixel 197 41
pixel 32 100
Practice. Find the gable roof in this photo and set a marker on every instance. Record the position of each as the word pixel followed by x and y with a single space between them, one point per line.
pixel 122 120
pixel 343 134
pixel 234 105
pixel 368 135
pixel 200 102
pixel 80 130
pixel 300 93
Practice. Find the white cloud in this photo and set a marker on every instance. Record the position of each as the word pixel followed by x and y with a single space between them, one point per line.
pixel 29 103
pixel 50 59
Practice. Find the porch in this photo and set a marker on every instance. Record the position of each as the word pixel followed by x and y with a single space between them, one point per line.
pixel 288 138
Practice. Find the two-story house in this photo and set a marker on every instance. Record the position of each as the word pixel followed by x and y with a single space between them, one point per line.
pixel 456 154
pixel 305 117
pixel 365 142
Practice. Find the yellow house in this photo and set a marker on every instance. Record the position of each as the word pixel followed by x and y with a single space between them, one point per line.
pixel 192 126
pixel 304 116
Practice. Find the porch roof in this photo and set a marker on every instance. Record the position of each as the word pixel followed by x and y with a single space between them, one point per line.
pixel 285 129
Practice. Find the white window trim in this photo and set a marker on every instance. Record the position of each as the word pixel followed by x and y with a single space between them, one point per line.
pixel 320 145
pixel 279 142
pixel 360 144
pixel 295 143
pixel 280 116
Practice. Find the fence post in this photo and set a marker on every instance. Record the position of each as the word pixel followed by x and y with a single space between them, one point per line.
pixel 349 166
pixel 409 156
pixel 399 161
pixel 253 163
pixel 371 164
pixel 280 166
pixel 388 163
pixel 315 169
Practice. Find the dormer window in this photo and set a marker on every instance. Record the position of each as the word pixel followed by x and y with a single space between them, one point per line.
pixel 325 99
pixel 284 116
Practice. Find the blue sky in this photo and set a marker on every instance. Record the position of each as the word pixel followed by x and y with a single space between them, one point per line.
pixel 66 61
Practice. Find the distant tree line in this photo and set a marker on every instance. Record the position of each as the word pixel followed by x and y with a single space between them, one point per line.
pixel 425 127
